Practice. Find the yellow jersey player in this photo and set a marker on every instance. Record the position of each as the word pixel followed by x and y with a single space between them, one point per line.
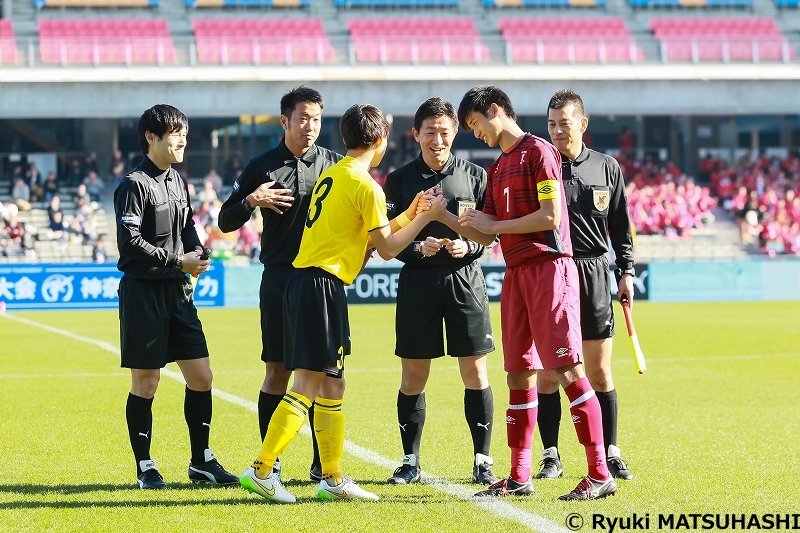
pixel 347 216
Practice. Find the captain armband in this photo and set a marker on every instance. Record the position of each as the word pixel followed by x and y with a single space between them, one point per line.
pixel 548 189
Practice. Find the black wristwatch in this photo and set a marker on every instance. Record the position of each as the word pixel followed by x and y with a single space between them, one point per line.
pixel 178 264
pixel 629 271
pixel 247 205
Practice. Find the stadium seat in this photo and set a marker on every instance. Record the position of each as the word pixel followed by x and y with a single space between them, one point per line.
pixel 544 3
pixel 95 3
pixel 692 3
pixel 569 40
pixel 8 45
pixel 721 40
pixel 104 41
pixel 253 3
pixel 418 40
pixel 395 3
pixel 262 41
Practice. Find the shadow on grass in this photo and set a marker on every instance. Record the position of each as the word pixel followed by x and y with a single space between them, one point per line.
pixel 47 496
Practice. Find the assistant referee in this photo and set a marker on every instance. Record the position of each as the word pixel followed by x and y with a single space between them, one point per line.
pixel 280 182
pixel 441 282
pixel 597 208
pixel 158 319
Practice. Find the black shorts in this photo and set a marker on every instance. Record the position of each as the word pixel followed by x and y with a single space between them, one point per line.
pixel 597 315
pixel 271 298
pixel 428 296
pixel 158 323
pixel 316 328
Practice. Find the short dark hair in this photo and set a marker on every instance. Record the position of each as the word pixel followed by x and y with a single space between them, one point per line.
pixel 298 95
pixel 479 99
pixel 435 107
pixel 160 119
pixel 563 98
pixel 362 125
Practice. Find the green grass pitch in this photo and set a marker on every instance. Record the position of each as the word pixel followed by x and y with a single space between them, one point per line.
pixel 712 427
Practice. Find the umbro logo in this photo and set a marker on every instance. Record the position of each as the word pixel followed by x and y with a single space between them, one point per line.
pixel 206 425
pixel 484 426
pixel 402 427
pixel 145 435
pixel 576 419
pixel 546 190
pixel 510 420
pixel 562 352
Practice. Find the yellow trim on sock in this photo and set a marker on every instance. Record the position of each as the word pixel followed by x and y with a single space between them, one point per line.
pixel 284 425
pixel 329 428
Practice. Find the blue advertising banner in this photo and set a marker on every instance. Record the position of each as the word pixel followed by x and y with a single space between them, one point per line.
pixel 379 284
pixel 85 286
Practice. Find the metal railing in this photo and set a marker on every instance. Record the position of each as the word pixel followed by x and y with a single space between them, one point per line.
pixel 347 51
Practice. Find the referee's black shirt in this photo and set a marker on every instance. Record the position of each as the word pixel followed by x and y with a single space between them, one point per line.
pixel 280 240
pixel 154 222
pixel 597 206
pixel 460 180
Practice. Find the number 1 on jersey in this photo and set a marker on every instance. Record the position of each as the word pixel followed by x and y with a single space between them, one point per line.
pixel 505 193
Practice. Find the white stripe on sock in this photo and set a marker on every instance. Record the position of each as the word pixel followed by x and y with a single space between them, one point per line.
pixel 521 406
pixel 582 398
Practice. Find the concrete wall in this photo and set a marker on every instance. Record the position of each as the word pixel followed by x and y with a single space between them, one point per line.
pixel 78 92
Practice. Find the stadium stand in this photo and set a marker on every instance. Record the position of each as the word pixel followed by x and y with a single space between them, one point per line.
pixel 102 41
pixel 749 39
pixel 417 40
pixel 248 3
pixel 262 41
pixel 568 40
pixel 544 3
pixel 8 45
pixel 95 3
pixel 763 195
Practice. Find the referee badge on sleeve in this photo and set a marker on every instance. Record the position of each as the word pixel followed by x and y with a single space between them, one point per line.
pixel 601 199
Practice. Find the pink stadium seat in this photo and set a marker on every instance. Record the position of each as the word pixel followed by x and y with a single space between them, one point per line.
pixel 8 44
pixel 417 40
pixel 569 40
pixel 721 39
pixel 262 41
pixel 106 41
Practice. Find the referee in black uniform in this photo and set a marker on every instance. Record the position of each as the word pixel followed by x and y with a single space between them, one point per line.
pixel 597 208
pixel 158 319
pixel 280 182
pixel 441 281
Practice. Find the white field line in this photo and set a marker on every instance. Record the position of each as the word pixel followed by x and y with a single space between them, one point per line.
pixel 495 506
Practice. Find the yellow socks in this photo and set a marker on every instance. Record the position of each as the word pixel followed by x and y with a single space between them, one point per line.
pixel 329 429
pixel 286 421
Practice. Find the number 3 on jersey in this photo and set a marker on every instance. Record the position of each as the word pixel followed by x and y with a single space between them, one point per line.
pixel 316 206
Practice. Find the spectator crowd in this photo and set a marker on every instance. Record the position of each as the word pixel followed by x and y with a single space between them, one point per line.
pixel 763 195
pixel 71 202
